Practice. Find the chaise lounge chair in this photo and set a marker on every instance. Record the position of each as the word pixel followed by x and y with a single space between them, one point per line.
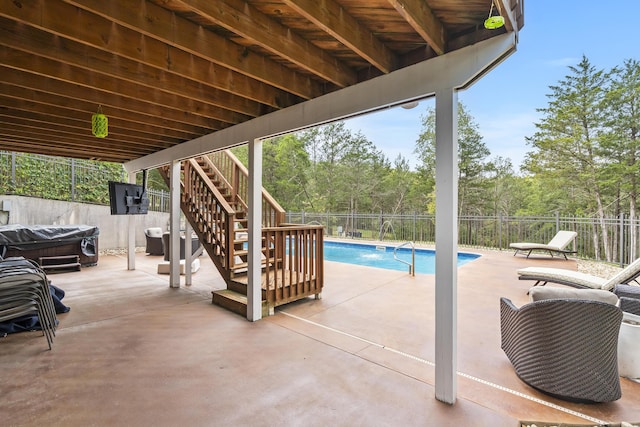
pixel 543 275
pixel 557 245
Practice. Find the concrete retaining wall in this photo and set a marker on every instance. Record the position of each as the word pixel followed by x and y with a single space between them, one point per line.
pixel 113 228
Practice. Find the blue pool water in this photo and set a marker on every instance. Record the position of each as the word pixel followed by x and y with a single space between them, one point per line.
pixel 382 256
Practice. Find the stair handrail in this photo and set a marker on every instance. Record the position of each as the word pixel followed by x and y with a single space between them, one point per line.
pixel 232 169
pixel 412 264
pixel 223 180
pixel 225 205
pixel 224 242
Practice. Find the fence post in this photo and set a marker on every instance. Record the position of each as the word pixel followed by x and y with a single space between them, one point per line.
pixel 500 231
pixel 621 239
pixel 73 180
pixel 327 226
pixel 415 221
pixel 557 221
pixel 13 168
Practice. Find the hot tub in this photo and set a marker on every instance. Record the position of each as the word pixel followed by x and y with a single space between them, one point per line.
pixel 42 241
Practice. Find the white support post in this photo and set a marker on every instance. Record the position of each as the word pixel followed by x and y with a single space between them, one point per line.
pixel 254 291
pixel 188 258
pixel 174 221
pixel 131 233
pixel 446 244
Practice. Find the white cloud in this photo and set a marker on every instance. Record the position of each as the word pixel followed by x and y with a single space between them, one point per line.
pixel 505 134
pixel 563 62
pixel 393 131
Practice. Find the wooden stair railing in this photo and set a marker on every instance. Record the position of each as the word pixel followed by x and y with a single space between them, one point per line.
pixel 293 266
pixel 208 212
pixel 237 180
pixel 213 200
pixel 298 269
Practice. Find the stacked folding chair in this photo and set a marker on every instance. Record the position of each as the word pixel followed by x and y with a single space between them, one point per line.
pixel 24 290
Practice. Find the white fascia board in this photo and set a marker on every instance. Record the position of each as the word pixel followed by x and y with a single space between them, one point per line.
pixel 457 69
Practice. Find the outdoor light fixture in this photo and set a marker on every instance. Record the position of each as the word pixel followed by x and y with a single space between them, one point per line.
pixel 493 22
pixel 410 105
pixel 99 124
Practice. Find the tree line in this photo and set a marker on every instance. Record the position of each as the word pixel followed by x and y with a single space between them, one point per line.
pixel 583 159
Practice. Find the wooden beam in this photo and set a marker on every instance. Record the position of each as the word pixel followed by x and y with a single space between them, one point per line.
pixel 418 14
pixel 160 25
pixel 62 138
pixel 243 19
pixel 110 87
pixel 190 76
pixel 505 12
pixel 84 151
pixel 80 129
pixel 19 100
pixel 138 78
pixel 332 18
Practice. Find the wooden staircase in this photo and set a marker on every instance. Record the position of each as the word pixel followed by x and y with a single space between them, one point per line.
pixel 214 191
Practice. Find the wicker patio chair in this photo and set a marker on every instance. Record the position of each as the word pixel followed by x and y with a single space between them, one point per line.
pixel 196 247
pixel 153 236
pixel 629 298
pixel 566 348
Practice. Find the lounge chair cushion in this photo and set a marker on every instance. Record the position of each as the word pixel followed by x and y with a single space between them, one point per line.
pixel 155 232
pixel 541 293
pixel 581 280
pixel 626 275
pixel 560 275
pixel 558 244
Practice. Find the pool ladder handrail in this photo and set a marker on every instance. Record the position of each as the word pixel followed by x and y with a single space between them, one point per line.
pixel 412 264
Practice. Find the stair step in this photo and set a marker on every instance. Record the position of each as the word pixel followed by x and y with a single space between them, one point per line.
pixel 235 302
pixel 62 262
pixel 71 266
pixel 243 240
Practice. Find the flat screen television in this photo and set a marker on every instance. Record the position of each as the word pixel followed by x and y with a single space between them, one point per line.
pixel 128 199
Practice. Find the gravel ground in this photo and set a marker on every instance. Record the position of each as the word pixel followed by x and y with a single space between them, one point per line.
pixel 597 268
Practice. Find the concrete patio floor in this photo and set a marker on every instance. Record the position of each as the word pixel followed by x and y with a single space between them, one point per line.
pixel 134 352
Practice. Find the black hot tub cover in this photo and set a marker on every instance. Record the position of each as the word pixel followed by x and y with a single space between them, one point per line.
pixel 42 236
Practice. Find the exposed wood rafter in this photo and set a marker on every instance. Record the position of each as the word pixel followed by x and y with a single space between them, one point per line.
pixel 420 16
pixel 333 19
pixel 167 72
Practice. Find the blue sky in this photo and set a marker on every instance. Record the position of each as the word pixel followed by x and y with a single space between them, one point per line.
pixel 556 34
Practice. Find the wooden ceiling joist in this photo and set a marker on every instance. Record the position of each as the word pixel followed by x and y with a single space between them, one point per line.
pixel 166 72
pixel 163 26
pixel 333 19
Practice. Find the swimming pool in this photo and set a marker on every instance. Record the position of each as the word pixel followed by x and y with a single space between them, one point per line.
pixel 382 256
